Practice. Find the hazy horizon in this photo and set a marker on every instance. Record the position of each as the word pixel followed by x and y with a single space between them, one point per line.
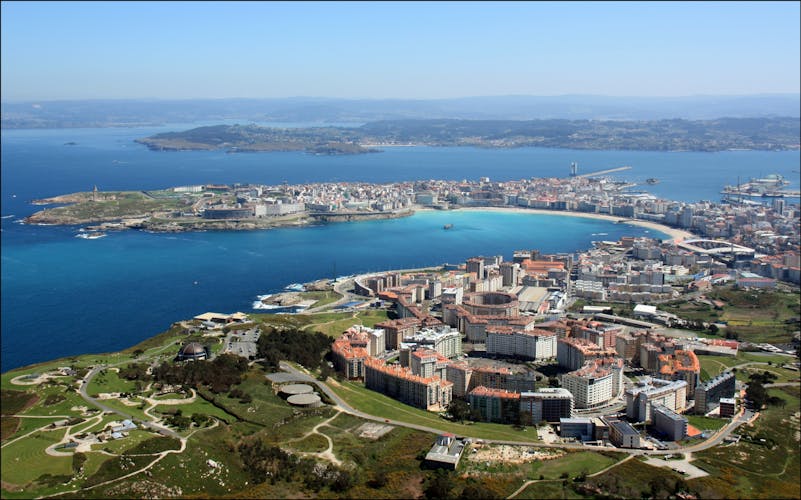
pixel 390 98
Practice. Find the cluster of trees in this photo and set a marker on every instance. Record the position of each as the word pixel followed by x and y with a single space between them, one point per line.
pixel 758 395
pixel 182 422
pixel 270 463
pixel 444 485
pixel 219 375
pixel 305 348
pixel 135 371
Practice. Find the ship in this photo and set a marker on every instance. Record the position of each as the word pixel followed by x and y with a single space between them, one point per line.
pixel 652 180
pixel 447 226
pixel 90 236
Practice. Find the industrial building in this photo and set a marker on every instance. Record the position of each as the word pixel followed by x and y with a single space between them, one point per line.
pixel 446 452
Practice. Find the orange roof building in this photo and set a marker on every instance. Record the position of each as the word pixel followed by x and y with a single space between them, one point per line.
pixel 395 381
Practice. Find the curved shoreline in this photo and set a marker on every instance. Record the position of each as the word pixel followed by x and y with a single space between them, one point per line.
pixel 675 233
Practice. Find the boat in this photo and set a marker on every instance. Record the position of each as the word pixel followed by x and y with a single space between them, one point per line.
pixel 652 180
pixel 90 236
pixel 447 226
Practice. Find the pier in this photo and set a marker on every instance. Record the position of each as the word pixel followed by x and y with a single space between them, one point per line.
pixel 604 172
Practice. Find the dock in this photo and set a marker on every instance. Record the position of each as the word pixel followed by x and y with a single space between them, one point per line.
pixel 604 172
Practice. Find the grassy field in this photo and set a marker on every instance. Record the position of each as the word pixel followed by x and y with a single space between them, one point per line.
pixel 333 324
pixel 25 460
pixel 313 443
pixel 109 381
pixel 706 423
pixel 754 315
pixel 377 404
pixel 200 406
pixel 322 297
pixel 713 365
pixel 112 205
pixel 758 469
pixel 573 464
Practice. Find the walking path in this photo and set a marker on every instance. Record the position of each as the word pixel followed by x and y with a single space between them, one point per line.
pixel 328 453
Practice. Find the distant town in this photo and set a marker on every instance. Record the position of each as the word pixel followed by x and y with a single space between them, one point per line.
pixel 747 229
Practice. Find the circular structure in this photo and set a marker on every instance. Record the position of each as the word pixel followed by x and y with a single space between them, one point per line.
pixel 296 389
pixel 491 304
pixel 192 352
pixel 305 400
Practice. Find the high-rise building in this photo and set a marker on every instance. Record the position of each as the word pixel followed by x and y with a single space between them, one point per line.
pixel 709 394
pixel 548 404
pixel 495 405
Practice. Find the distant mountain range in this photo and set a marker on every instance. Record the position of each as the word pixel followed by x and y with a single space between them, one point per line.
pixel 111 113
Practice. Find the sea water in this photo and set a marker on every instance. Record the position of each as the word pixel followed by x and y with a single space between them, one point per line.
pixel 63 295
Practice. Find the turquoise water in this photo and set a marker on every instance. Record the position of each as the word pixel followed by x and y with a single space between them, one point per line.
pixel 62 295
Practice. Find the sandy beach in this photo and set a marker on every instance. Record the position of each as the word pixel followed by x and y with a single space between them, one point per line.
pixel 676 234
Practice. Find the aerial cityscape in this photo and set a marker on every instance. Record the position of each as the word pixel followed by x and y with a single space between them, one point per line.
pixel 509 253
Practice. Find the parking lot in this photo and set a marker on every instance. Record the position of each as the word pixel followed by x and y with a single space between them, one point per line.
pixel 242 343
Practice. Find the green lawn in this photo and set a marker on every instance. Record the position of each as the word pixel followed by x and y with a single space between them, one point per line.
pixel 377 404
pixel 573 464
pixel 25 460
pixel 313 443
pixel 713 365
pixel 322 297
pixel 109 381
pixel 201 406
pixel 706 423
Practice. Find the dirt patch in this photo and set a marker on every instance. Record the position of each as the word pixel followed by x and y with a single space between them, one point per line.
pixel 512 454
pixel 8 427
pixel 369 430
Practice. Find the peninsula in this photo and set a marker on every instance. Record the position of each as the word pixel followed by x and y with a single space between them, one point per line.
pixel 250 206
pixel 774 134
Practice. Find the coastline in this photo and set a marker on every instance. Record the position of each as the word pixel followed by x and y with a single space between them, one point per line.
pixel 675 233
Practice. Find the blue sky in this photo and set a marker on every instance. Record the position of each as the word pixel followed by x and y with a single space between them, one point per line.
pixel 80 50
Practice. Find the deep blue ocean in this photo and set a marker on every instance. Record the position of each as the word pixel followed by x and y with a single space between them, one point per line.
pixel 63 295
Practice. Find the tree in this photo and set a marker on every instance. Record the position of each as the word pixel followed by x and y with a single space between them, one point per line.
pixel 459 410
pixel 440 486
pixel 756 394
pixel 478 491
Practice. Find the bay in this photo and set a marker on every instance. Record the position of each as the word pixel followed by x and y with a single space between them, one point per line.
pixel 63 296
